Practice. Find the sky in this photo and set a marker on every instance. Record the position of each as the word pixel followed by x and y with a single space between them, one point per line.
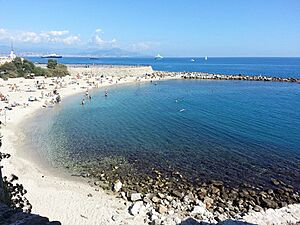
pixel 170 27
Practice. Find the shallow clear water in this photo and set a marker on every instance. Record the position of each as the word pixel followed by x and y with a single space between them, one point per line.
pixel 235 131
pixel 270 66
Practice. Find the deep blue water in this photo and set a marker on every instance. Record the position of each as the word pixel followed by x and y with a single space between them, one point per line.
pixel 233 131
pixel 281 67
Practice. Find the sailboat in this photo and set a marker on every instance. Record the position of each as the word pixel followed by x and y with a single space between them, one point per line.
pixel 192 60
pixel 205 57
pixel 158 57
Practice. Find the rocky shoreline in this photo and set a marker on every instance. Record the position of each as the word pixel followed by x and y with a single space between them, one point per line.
pixel 210 76
pixel 167 200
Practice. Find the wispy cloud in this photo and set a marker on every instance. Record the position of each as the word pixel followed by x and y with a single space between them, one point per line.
pixel 57 32
pixel 2 31
pixel 144 46
pixel 61 38
pixel 98 40
pixel 53 36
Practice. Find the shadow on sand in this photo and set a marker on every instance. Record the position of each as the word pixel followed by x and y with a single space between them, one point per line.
pixel 191 221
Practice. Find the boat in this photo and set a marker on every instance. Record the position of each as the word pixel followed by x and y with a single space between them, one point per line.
pixel 158 57
pixel 51 56
pixel 192 60
pixel 205 57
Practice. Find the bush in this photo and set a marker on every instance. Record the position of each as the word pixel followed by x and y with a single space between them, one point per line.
pixel 51 64
pixel 23 67
pixel 38 71
pixel 59 71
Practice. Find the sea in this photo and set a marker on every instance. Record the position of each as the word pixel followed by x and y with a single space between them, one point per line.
pixel 234 131
pixel 269 66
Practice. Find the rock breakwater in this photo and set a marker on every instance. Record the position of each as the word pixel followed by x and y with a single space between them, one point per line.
pixel 209 76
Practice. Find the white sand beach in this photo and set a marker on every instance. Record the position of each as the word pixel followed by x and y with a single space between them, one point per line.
pixel 53 196
pixel 70 201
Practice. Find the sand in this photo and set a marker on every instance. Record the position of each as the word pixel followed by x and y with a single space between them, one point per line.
pixel 52 195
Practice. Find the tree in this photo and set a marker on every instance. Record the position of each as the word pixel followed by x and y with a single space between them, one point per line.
pixel 8 66
pixel 38 71
pixel 51 64
pixel 59 71
pixel 28 66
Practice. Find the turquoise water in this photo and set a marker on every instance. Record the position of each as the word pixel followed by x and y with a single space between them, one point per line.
pixel 234 131
pixel 270 66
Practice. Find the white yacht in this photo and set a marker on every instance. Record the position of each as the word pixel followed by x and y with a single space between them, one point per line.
pixel 158 57
pixel 51 56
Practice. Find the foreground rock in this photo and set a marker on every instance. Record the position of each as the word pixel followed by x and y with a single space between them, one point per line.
pixel 14 216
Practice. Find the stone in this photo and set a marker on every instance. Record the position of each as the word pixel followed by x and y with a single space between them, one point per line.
pixel 220 210
pixel 215 190
pixel 117 186
pixel 150 195
pixel 169 198
pixel 208 202
pixel 147 200
pixel 198 210
pixel 270 191
pixel 136 208
pixel 275 181
pixel 177 193
pixel 162 209
pixel 155 199
pixel 217 183
pixel 171 212
pixel 123 195
pixel 153 217
pixel 156 222
pixel 257 208
pixel 269 203
pixel 177 220
pixel 135 197
pixel 115 217
pixel 160 195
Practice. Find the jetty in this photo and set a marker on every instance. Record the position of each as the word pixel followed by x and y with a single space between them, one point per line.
pixel 212 76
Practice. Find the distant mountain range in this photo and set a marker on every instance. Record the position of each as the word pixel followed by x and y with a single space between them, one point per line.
pixel 89 52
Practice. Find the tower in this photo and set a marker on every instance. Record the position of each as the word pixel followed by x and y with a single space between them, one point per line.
pixel 12 55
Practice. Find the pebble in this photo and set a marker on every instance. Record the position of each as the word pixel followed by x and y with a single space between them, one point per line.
pixel 117 186
pixel 135 197
pixel 136 208
pixel 115 217
pixel 162 209
pixel 155 199
pixel 208 202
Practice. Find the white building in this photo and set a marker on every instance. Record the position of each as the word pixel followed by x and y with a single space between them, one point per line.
pixel 9 58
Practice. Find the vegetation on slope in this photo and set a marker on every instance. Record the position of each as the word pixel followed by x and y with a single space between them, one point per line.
pixel 24 68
